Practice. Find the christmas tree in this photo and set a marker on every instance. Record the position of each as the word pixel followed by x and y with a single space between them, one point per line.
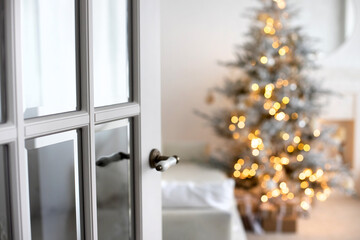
pixel 275 147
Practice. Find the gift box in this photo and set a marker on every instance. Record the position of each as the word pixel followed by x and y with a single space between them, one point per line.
pixel 268 210
pixel 288 224
pixel 247 207
pixel 271 217
pixel 279 224
pixel 278 218
pixel 248 224
pixel 246 203
pixel 246 211
pixel 288 208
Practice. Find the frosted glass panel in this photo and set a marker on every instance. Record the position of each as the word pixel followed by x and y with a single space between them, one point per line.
pixel 113 180
pixel 54 187
pixel 48 56
pixel 4 195
pixel 111 58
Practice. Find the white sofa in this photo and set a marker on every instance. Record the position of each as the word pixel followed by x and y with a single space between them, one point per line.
pixel 198 200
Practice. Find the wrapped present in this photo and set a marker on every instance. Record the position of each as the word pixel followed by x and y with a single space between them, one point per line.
pixel 246 210
pixel 269 224
pixel 268 211
pixel 288 208
pixel 279 224
pixel 248 224
pixel 286 224
pixel 247 206
pixel 247 203
pixel 279 218
pixel 271 217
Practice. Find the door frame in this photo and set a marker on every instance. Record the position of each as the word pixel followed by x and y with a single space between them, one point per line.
pixel 144 109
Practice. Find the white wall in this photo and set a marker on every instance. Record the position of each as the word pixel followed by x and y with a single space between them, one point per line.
pixel 196 34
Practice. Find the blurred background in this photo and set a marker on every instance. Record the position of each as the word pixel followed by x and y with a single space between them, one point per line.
pixel 196 35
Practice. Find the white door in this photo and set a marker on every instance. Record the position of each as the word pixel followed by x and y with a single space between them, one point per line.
pixel 80 113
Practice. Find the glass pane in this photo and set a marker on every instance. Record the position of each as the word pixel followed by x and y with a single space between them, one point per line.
pixel 2 64
pixel 4 195
pixel 111 51
pixel 54 186
pixel 48 56
pixel 113 180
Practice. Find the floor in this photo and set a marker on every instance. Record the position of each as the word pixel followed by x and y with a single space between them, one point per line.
pixel 338 218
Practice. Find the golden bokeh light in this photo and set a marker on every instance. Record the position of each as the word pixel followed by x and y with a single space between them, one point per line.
pixel 263 59
pixel 305 205
pixel 319 173
pixel 275 193
pixel 307 147
pixel 241 125
pixel 282 185
pixel 267 95
pixel 285 190
pixel 252 172
pixel 277 105
pixel 286 100
pixel 275 44
pixel 234 119
pixel 285 161
pixel 278 167
pixel 280 116
pixel 255 87
pixel 282 52
pixel 251 136
pixel 312 178
pixel 269 87
pixel 280 3
pixel 309 192
pixel 290 149
pixel 317 132
pixel 270 21
pixel 302 176
pixel 240 161
pixel 267 105
pixel 304 184
pixel 232 127
pixel 236 135
pixel 236 174
pixel 294 116
pixel 285 136
pixel 237 166
pixel 308 172
pixel 290 195
pixel 321 196
pixel 297 139
pixel 255 152
pixel 301 146
pixel 267 29
pixel 272 111
pixel 254 166
pixel 242 119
